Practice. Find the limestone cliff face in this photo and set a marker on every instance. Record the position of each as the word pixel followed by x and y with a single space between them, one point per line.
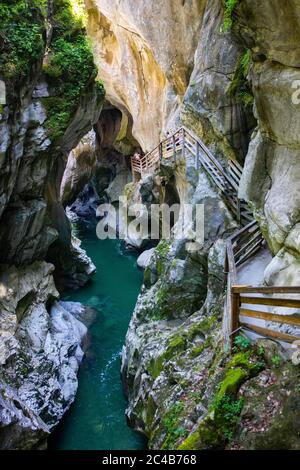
pixel 145 55
pixel 272 170
pixel 167 63
pixel 39 125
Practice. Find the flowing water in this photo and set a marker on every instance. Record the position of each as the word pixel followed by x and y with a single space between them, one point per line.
pixel 96 420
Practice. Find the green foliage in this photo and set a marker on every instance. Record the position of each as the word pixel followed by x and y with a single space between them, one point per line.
pixel 261 350
pixel 229 6
pixel 70 68
pixel 241 343
pixel 171 423
pixel 239 87
pixel 227 411
pixel 22 30
pixel 276 360
pixel 163 248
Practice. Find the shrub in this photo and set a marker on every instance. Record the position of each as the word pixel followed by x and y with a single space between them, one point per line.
pixel 22 30
pixel 230 6
pixel 70 68
pixel 239 87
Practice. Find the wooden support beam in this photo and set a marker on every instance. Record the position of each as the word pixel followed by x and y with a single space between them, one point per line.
pixel 270 333
pixel 272 301
pixel 266 290
pixel 287 319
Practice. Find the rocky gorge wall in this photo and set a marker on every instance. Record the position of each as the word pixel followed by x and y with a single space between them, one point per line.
pixel 226 76
pixel 232 84
pixel 178 62
pixel 48 109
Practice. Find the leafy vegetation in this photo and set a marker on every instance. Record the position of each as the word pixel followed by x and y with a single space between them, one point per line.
pixel 230 6
pixel 67 64
pixel 171 423
pixel 227 412
pixel 276 360
pixel 22 31
pixel 219 425
pixel 70 67
pixel 241 343
pixel 239 87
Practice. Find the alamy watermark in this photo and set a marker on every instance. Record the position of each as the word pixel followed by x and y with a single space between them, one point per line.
pixel 296 93
pixel 154 222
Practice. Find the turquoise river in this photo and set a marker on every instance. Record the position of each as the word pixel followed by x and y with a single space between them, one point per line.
pixel 96 420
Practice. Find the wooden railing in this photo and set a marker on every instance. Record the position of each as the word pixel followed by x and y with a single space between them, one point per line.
pixel 244 244
pixel 184 141
pixel 245 304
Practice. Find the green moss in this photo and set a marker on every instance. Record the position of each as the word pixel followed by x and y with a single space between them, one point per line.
pixel 150 411
pixel 171 422
pixel 191 442
pixel 176 345
pixel 147 277
pixel 155 366
pixel 219 425
pixel 163 248
pixel 239 87
pixel 204 326
pixel 232 382
pixel 22 33
pixel 196 351
pixel 229 8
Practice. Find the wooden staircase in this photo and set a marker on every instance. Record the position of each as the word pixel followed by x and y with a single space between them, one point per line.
pixel 241 246
pixel 184 142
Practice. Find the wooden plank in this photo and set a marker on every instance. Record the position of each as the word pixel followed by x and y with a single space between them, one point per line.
pixel 174 147
pixel 249 255
pixel 244 236
pixel 234 175
pixel 267 290
pixel 288 319
pixel 237 173
pixel 288 303
pixel 244 229
pixel 270 333
pixel 253 249
pixel 257 235
pixel 237 165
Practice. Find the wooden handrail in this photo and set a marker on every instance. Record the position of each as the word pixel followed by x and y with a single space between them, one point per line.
pixel 185 140
pixel 266 290
pixel 241 246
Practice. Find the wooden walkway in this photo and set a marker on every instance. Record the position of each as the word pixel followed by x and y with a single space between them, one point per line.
pixel 178 146
pixel 241 246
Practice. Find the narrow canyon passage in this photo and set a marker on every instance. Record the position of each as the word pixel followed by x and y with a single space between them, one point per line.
pixel 96 420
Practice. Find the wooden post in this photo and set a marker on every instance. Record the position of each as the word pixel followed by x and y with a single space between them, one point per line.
pixel 160 151
pixel 235 312
pixel 174 148
pixel 238 210
pixel 197 155
pixel 133 171
pixel 141 168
